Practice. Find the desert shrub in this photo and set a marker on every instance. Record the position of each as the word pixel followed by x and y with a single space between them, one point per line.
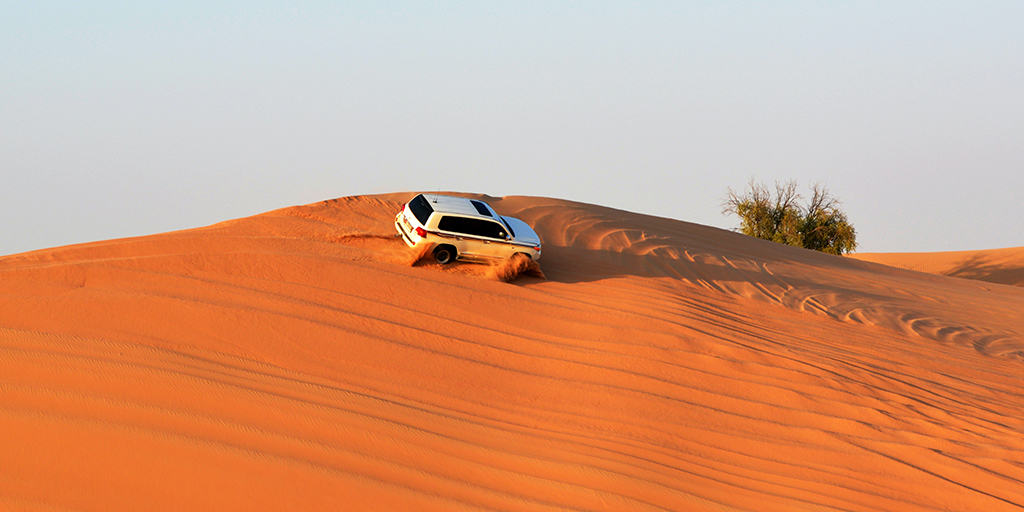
pixel 819 225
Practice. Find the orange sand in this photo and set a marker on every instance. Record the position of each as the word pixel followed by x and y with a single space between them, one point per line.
pixel 1005 266
pixel 296 360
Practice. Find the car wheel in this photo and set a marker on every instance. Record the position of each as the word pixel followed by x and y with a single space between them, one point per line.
pixel 444 254
pixel 521 256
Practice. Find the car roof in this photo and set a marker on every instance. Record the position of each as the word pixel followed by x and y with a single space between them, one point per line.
pixel 460 205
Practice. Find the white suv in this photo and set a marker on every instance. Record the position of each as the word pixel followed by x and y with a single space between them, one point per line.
pixel 464 229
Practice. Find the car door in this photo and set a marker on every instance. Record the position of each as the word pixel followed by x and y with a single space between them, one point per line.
pixel 489 239
pixel 494 238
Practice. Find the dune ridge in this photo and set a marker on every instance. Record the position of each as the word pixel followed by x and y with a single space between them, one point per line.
pixel 304 359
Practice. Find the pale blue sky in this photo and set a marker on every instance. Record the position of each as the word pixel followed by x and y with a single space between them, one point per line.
pixel 130 118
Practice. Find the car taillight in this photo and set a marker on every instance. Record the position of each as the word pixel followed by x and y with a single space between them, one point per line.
pixel 537 248
pixel 421 232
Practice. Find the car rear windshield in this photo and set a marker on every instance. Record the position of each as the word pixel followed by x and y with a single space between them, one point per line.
pixel 421 208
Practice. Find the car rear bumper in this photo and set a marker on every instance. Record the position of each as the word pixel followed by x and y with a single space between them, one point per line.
pixel 400 227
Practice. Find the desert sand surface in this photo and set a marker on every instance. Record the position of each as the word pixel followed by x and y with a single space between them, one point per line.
pixel 1004 266
pixel 299 360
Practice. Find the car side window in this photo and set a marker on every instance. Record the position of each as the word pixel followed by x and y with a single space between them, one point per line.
pixel 493 230
pixel 474 227
pixel 453 224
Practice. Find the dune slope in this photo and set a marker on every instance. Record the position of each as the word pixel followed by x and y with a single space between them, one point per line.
pixel 299 360
pixel 1004 266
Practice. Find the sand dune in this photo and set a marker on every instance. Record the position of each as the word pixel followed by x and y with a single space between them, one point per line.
pixel 1004 266
pixel 303 360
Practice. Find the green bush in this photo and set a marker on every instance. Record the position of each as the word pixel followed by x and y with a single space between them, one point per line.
pixel 820 225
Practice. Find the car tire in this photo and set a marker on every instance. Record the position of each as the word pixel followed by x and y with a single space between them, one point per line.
pixel 444 254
